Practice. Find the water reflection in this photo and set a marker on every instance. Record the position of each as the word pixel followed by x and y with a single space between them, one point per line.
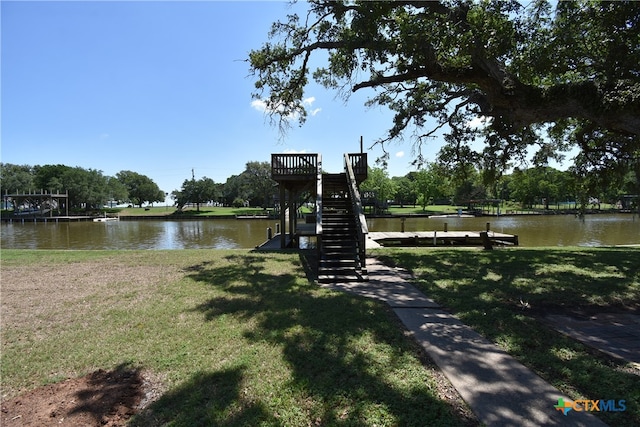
pixel 553 230
pixel 533 230
pixel 217 234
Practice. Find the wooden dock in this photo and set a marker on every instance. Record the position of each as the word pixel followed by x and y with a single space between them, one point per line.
pixel 24 219
pixel 378 239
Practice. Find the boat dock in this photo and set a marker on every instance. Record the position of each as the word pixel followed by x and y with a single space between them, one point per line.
pixel 376 239
pixel 23 218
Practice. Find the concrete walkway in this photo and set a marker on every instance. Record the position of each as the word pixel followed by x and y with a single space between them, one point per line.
pixel 617 335
pixel 497 388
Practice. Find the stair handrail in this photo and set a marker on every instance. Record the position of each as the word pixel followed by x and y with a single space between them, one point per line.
pixel 319 201
pixel 361 223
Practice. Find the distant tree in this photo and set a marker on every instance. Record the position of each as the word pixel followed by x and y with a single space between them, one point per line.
pixel 116 189
pixel 379 182
pixel 16 178
pixel 87 188
pixel 50 176
pixel 254 184
pixel 427 182
pixel 544 185
pixel 199 191
pixel 141 188
pixel 235 188
pixel 261 188
pixel 405 190
pixel 545 75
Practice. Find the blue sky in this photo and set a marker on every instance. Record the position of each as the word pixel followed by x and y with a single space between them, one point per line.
pixel 159 88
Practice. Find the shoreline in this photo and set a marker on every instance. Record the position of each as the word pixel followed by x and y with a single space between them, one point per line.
pixel 171 217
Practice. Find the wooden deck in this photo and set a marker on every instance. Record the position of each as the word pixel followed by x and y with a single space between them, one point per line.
pixel 378 239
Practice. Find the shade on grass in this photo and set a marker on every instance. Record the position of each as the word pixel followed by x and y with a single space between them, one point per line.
pixel 240 338
pixel 504 294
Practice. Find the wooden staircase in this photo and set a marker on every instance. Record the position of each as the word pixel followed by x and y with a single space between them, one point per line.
pixel 339 249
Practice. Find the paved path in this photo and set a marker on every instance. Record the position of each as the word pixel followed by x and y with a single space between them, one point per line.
pixel 618 335
pixel 498 389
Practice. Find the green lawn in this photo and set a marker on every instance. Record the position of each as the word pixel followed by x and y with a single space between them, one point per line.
pixel 429 210
pixel 204 211
pixel 244 338
pixel 240 338
pixel 503 294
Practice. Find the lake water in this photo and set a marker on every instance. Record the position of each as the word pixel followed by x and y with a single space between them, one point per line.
pixel 551 230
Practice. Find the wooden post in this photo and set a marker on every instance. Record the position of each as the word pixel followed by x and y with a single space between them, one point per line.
pixel 283 208
pixel 486 241
pixel 293 217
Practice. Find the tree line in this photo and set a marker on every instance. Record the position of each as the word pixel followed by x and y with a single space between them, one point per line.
pixel 90 189
pixel 252 187
pixel 435 183
pixel 87 188
pixel 431 184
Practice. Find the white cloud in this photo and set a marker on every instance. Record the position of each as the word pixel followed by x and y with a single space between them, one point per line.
pixel 261 105
pixel 294 151
pixel 400 154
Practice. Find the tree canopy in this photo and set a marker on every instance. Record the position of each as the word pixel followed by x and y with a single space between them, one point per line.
pixel 195 191
pixel 140 188
pixel 535 74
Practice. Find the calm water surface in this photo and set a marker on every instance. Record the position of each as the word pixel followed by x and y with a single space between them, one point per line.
pixel 534 230
pixel 552 230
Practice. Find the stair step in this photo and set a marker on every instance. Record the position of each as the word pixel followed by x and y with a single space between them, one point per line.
pixel 339 261
pixel 339 256
pixel 336 239
pixel 338 221
pixel 339 244
pixel 336 278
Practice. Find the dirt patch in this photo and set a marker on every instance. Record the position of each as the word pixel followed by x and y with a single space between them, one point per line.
pixel 101 398
pixel 30 295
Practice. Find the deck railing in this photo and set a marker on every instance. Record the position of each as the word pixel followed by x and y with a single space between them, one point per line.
pixel 292 166
pixel 319 205
pixel 361 223
pixel 358 162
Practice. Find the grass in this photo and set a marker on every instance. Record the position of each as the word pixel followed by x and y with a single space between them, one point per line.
pixel 510 207
pixel 203 212
pixel 243 338
pixel 487 289
pixel 240 338
pixel 429 210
